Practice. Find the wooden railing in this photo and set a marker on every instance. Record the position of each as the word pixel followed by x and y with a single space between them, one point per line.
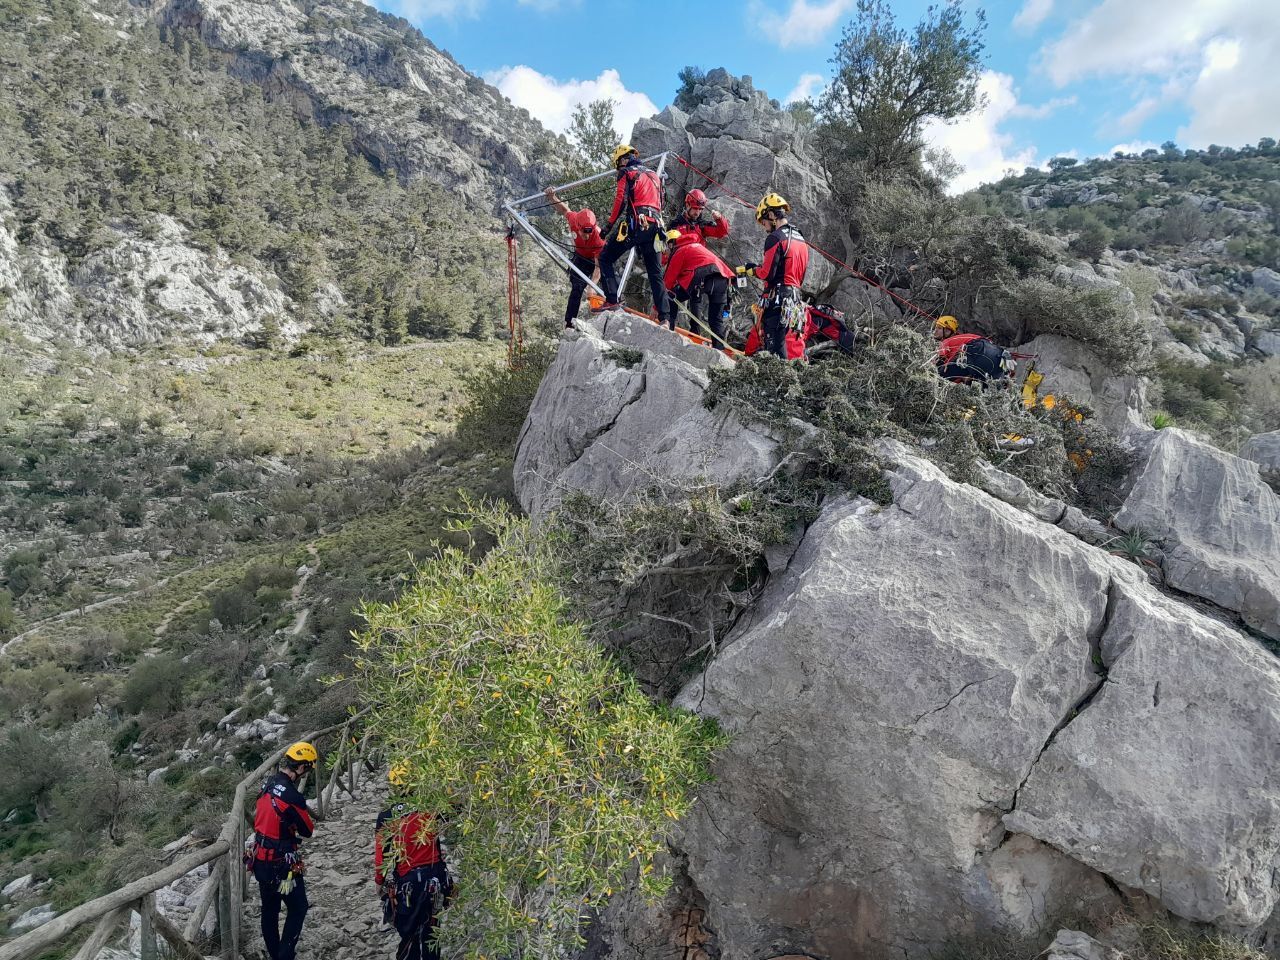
pixel 223 889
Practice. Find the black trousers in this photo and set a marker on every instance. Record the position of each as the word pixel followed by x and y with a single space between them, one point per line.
pixel 642 240
pixel 411 910
pixel 775 332
pixel 716 289
pixel 576 287
pixel 280 946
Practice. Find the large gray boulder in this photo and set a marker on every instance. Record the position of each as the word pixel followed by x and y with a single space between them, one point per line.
pixel 1264 450
pixel 1267 280
pixel 1219 524
pixel 743 139
pixel 1072 369
pixel 620 411
pixel 948 718
pixel 1168 781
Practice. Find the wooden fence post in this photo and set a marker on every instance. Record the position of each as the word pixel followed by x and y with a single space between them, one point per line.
pixel 146 907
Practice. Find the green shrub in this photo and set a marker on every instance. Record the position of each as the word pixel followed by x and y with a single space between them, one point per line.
pixel 498 400
pixel 1199 396
pixel 558 779
pixel 155 686
pixel 1094 317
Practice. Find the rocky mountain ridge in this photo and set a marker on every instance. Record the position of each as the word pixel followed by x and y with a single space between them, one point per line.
pixel 207 170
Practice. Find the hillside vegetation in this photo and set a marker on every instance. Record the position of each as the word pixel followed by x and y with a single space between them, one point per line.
pixel 109 125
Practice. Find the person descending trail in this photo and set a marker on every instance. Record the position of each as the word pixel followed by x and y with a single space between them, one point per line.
pixel 693 218
pixel 692 271
pixel 786 261
pixel 587 244
pixel 969 357
pixel 634 221
pixel 281 821
pixel 409 869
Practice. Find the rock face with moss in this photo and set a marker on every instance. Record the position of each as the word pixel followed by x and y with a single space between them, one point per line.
pixel 952 715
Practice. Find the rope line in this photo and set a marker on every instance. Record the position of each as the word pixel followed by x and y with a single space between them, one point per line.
pixel 832 257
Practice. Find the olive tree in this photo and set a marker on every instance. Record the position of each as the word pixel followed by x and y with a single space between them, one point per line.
pixel 555 778
pixel 888 83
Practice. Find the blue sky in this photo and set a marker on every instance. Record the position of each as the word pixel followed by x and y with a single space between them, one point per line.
pixel 1073 77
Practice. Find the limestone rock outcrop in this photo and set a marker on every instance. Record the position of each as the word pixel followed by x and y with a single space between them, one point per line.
pixel 952 715
pixel 611 421
pixel 410 106
pixel 1264 450
pixel 742 139
pixel 1219 524
pixel 1074 370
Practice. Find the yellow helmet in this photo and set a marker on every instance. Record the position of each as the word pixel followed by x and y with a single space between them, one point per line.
pixel 302 752
pixel 948 322
pixel 673 236
pixel 771 201
pixel 622 150
pixel 398 775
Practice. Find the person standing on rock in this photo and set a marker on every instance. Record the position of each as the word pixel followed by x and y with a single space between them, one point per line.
pixel 693 270
pixel 587 244
pixel 786 261
pixel 694 218
pixel 281 821
pixel 635 221
pixel 409 869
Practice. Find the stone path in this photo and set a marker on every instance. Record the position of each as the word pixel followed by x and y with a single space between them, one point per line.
pixel 345 919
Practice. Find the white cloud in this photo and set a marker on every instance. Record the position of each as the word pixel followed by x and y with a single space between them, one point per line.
pixel 804 24
pixel 1136 146
pixel 808 86
pixel 976 141
pixel 417 10
pixel 1032 14
pixel 1041 111
pixel 1216 59
pixel 552 101
pixel 1133 119
pixel 1233 98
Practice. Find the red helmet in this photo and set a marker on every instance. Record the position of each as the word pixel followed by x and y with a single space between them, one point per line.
pixel 695 198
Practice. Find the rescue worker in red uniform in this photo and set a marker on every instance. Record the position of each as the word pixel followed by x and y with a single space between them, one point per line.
pixel 634 221
pixel 281 821
pixel 694 217
pixel 587 244
pixel 409 869
pixel 967 357
pixel 692 271
pixel 786 261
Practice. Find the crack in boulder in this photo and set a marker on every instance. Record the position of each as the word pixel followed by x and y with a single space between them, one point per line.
pixel 1102 670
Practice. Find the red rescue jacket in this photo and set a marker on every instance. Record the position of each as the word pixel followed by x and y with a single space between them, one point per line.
pixel 646 189
pixel 787 243
pixel 718 227
pixel 280 818
pixel 404 837
pixel 590 245
pixel 690 255
pixel 949 348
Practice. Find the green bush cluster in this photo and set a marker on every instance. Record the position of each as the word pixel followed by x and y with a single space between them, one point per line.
pixel 556 778
pixel 1096 317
